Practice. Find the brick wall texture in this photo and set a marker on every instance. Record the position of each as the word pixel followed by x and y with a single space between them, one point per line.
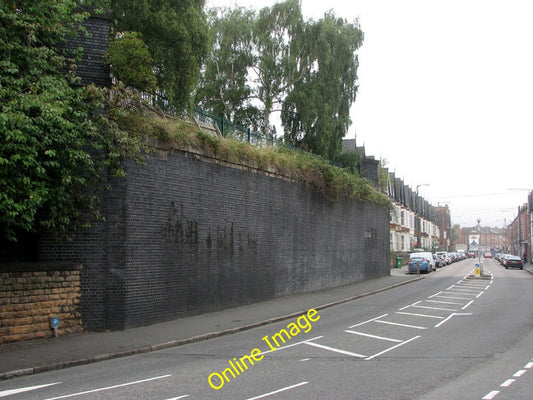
pixel 185 235
pixel 29 297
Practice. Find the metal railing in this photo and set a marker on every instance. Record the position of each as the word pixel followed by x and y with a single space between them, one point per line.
pixel 225 126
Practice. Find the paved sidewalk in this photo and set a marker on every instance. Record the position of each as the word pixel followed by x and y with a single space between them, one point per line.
pixel 25 358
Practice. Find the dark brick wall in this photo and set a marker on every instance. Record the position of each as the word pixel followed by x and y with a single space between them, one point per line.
pixel 91 68
pixel 186 236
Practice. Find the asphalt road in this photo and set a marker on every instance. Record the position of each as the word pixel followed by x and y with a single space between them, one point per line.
pixel 444 337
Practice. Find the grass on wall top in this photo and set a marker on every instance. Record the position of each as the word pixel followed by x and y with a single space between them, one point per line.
pixel 325 179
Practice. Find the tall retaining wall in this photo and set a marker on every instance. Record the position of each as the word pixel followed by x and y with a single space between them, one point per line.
pixel 186 235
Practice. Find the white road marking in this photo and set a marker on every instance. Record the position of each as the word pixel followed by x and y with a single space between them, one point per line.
pixel 412 305
pixel 305 359
pixel 454 297
pixel 398 324
pixel 10 392
pixel 392 348
pixel 460 293
pixel 278 391
pixel 443 302
pixel 508 383
pixel 518 374
pixel 450 316
pixel 435 295
pixel 290 345
pixel 348 353
pixel 465 290
pixel 479 295
pixel 419 315
pixel 491 395
pixel 529 365
pixel 467 305
pixel 374 336
pixel 179 397
pixel 370 320
pixel 109 387
pixel 435 308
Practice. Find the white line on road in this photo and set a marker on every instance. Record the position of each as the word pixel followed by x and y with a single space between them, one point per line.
pixel 529 365
pixel 466 290
pixel 450 316
pixel 179 397
pixel 10 392
pixel 370 320
pixel 508 383
pixel 454 297
pixel 443 302
pixel 435 295
pixel 412 305
pixel 491 395
pixel 435 308
pixel 374 336
pixel 278 391
pixel 404 325
pixel 460 294
pixel 290 345
pixel 348 353
pixel 518 374
pixel 467 305
pixel 392 348
pixel 479 295
pixel 419 315
pixel 109 387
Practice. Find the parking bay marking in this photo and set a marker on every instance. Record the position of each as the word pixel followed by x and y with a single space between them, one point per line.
pixel 391 348
pixel 374 336
pixel 434 308
pixel 109 387
pixel 449 317
pixel 419 315
pixel 278 391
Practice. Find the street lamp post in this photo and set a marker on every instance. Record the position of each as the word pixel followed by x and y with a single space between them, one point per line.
pixel 479 247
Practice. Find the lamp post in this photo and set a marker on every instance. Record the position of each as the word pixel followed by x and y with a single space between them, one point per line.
pixel 479 247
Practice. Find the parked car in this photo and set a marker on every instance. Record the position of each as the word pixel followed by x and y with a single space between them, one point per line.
pixel 514 261
pixel 443 256
pixel 422 261
pixel 487 255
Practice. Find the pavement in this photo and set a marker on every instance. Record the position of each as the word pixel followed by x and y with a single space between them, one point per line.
pixel 35 356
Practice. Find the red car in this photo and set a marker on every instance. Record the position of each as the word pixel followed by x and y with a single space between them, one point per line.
pixel 487 255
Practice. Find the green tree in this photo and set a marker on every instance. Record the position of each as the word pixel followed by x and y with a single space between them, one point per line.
pixel 54 139
pixel 131 62
pixel 316 112
pixel 278 46
pixel 305 69
pixel 176 34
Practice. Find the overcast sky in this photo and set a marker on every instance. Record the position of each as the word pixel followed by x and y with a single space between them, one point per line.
pixel 445 97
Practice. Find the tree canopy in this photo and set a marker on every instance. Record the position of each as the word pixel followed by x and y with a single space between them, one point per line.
pixel 175 32
pixel 274 60
pixel 54 139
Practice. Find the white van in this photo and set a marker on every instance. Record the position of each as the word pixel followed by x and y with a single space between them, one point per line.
pixel 426 256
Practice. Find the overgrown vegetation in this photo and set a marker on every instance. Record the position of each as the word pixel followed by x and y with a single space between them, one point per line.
pixel 55 140
pixel 327 180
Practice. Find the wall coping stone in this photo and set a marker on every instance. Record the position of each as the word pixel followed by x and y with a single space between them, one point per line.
pixel 40 266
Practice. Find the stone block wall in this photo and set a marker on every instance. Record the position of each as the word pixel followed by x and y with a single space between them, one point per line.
pixel 30 294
